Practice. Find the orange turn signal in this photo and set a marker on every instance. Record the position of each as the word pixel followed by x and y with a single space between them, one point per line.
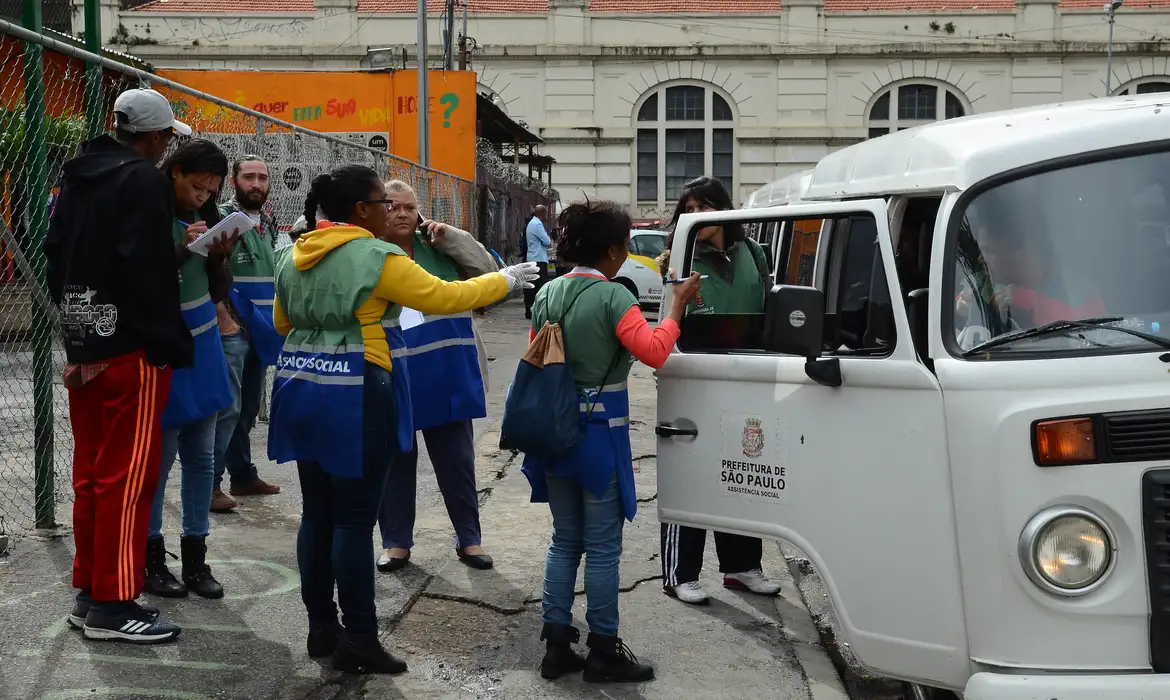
pixel 1065 441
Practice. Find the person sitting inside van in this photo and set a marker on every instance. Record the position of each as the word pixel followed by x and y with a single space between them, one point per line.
pixel 1031 288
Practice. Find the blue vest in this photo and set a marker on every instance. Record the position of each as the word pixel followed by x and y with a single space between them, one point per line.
pixel 442 358
pixel 253 297
pixel 203 388
pixel 604 452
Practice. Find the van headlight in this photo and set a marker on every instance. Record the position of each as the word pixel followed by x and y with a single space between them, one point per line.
pixel 1067 550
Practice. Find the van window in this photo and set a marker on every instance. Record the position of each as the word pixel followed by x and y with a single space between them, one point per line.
pixel 798 256
pixel 859 294
pixel 859 321
pixel 1084 242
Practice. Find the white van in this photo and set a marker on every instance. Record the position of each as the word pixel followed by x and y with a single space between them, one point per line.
pixel 958 404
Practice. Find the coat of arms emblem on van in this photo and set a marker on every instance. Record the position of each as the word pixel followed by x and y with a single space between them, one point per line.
pixel 753 438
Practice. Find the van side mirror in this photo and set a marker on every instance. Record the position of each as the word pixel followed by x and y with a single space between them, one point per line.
pixel 794 324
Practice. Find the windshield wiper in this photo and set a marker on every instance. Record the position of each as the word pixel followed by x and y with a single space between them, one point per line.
pixel 1058 326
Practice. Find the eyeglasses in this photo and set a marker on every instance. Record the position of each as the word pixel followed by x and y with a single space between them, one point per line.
pixel 392 206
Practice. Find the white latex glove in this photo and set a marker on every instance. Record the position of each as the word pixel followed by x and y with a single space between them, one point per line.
pixel 521 276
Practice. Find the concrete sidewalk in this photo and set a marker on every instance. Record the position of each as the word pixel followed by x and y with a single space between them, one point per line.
pixel 465 633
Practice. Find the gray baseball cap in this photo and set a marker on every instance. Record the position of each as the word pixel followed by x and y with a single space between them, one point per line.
pixel 140 111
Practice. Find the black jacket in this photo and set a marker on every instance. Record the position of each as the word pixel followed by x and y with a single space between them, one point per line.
pixel 111 259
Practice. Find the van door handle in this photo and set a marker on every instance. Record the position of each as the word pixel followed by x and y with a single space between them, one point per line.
pixel 667 430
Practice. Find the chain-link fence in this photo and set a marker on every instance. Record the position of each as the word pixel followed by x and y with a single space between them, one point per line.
pixel 52 97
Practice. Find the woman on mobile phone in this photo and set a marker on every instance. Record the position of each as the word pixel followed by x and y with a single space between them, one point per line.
pixel 447 367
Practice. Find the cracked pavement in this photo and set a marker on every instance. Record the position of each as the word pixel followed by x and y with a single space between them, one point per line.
pixel 465 633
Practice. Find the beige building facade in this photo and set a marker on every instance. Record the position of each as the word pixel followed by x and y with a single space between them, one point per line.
pixel 635 97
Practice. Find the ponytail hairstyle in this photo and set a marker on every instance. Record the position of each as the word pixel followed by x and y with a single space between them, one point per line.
pixel 590 229
pixel 200 156
pixel 337 193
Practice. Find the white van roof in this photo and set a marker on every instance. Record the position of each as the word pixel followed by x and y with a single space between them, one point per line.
pixel 957 153
pixel 787 190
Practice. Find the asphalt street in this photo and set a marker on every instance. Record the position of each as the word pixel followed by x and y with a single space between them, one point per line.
pixel 465 633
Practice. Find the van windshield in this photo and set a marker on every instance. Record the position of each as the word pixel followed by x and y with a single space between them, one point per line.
pixel 1084 242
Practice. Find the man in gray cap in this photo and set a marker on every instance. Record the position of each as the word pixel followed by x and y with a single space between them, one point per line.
pixel 112 271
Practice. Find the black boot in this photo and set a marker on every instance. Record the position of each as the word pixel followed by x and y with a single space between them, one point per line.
pixel 363 653
pixel 611 661
pixel 159 579
pixel 323 642
pixel 559 657
pixel 196 572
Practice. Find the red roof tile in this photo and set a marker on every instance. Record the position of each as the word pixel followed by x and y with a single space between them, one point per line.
pixel 437 6
pixel 685 6
pixel 1099 4
pixel 920 5
pixel 227 6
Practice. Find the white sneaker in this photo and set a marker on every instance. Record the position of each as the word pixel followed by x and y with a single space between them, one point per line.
pixel 753 581
pixel 690 592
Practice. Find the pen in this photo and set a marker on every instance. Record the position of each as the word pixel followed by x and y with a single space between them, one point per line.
pixel 702 277
pixel 182 222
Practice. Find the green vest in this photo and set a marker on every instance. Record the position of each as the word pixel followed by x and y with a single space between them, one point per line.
pixel 252 258
pixel 321 301
pixel 434 262
pixel 193 283
pixel 743 296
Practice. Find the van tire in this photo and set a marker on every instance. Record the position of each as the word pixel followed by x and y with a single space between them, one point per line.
pixel 628 285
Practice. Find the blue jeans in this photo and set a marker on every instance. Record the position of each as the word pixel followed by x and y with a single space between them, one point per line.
pixel 583 524
pixel 194 443
pixel 452 451
pixel 233 449
pixel 335 543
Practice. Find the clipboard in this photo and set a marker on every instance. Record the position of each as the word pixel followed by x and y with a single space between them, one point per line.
pixel 235 223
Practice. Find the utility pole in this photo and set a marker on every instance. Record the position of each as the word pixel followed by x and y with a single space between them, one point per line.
pixel 424 136
pixel 449 37
pixel 463 57
pixel 1111 9
pixel 95 113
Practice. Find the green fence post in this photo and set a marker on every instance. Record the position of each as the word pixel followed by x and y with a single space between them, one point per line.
pixel 37 180
pixel 94 107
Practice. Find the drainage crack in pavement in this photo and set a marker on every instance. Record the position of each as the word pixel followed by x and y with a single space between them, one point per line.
pixel 649 498
pixel 477 603
pixel 622 589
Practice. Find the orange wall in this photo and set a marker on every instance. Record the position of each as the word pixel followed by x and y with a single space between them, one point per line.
pixel 339 102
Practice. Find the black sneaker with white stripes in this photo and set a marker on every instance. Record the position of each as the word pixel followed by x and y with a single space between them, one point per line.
pixel 81 608
pixel 127 622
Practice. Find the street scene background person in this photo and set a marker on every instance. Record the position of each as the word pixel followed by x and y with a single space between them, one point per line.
pixel 249 339
pixel 736 279
pixel 537 242
pixel 447 367
pixel 111 270
pixel 338 407
pixel 591 492
pixel 196 171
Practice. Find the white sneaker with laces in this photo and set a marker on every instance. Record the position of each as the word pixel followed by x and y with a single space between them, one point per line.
pixel 690 592
pixel 753 581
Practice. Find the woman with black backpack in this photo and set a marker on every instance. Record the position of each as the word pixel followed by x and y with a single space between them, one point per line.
pixel 591 490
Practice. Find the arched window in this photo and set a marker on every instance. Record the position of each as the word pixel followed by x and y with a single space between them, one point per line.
pixel 908 104
pixel 684 131
pixel 1145 86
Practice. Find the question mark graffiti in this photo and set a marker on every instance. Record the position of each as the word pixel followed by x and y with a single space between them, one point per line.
pixel 452 101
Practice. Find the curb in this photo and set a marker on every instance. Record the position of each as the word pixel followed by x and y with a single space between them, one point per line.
pixel 820 673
